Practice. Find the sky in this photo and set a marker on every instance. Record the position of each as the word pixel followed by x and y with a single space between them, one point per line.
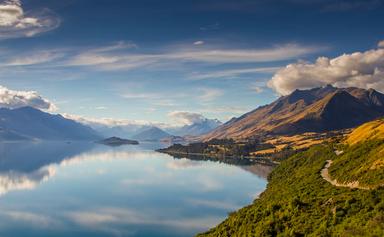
pixel 146 60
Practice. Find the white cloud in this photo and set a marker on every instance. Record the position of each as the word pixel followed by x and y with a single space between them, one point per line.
pixel 15 23
pixel 258 89
pixel 359 69
pixel 243 55
pixel 233 73
pixel 119 45
pixel 88 59
pixel 381 44
pixel 186 118
pixel 109 122
pixel 36 220
pixel 112 57
pixel 200 42
pixel 16 99
pixel 127 60
pixel 209 94
pixel 33 58
pixel 125 56
pixel 156 99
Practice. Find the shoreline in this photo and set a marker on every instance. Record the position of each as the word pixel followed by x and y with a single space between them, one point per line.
pixel 255 160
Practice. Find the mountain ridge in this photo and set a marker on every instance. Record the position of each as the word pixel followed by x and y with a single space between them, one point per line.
pixel 151 134
pixel 31 123
pixel 196 129
pixel 315 110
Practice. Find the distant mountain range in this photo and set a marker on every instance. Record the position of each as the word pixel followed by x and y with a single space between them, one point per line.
pixel 196 129
pixel 315 110
pixel 136 130
pixel 124 131
pixel 29 123
pixel 151 134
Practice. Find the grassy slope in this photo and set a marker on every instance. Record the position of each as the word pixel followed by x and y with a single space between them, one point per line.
pixel 362 162
pixel 369 131
pixel 299 202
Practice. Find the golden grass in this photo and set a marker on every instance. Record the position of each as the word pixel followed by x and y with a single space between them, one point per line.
pixel 367 131
pixel 264 152
pixel 378 164
pixel 307 144
pixel 299 141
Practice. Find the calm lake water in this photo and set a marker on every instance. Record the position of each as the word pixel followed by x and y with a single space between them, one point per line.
pixel 85 189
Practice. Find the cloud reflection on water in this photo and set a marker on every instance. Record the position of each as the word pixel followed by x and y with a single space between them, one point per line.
pixel 23 166
pixel 116 191
pixel 11 181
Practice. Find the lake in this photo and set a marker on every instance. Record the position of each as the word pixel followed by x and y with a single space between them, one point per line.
pixel 86 189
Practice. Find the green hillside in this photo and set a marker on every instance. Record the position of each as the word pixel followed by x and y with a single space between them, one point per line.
pixel 362 164
pixel 299 202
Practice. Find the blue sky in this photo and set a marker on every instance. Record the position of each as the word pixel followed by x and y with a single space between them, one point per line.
pixel 142 60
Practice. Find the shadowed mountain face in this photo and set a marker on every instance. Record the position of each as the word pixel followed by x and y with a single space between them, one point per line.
pixel 315 110
pixel 30 123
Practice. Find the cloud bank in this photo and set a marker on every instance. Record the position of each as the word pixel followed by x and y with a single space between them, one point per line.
pixel 16 99
pixel 109 122
pixel 359 69
pixel 15 22
pixel 127 58
pixel 186 118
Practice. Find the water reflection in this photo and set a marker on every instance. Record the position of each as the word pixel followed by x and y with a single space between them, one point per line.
pixel 260 167
pixel 13 180
pixel 25 165
pixel 84 189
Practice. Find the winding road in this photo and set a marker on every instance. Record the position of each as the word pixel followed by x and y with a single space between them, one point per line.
pixel 325 174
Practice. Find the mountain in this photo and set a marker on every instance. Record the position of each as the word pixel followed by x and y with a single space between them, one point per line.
pixel 30 123
pixel 345 188
pixel 112 128
pixel 6 135
pixel 197 128
pixel 151 134
pixel 315 110
pixel 127 130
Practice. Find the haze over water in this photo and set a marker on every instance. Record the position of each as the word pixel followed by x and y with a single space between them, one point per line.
pixel 84 189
